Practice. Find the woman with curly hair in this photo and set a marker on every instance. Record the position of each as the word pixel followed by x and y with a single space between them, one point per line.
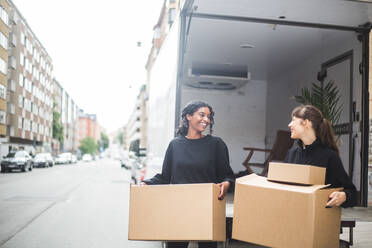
pixel 193 157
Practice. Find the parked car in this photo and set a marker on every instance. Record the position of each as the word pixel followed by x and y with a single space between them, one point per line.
pixel 20 160
pixel 87 158
pixel 43 160
pixel 126 163
pixel 73 159
pixel 64 158
pixel 138 170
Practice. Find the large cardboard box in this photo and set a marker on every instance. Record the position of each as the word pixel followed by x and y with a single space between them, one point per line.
pixel 296 173
pixel 283 215
pixel 177 212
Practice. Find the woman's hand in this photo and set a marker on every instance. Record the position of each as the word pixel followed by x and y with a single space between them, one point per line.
pixel 336 199
pixel 142 183
pixel 224 187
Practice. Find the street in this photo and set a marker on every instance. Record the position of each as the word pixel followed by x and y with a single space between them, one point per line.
pixel 78 205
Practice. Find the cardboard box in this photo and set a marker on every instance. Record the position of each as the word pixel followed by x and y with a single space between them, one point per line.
pixel 296 173
pixel 283 215
pixel 177 212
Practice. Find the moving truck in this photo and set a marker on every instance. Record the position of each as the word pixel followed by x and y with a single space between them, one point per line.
pixel 248 59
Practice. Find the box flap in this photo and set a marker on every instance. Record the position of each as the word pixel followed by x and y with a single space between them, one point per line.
pixel 296 173
pixel 258 181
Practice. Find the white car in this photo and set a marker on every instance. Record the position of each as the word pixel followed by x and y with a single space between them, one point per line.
pixel 64 158
pixel 73 159
pixel 43 160
pixel 87 158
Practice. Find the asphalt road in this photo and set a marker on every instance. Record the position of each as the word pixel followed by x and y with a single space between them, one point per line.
pixel 79 205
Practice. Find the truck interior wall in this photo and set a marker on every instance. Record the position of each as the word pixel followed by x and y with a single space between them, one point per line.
pixel 289 81
pixel 239 117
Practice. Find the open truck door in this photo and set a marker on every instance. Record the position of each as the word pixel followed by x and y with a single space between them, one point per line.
pixel 249 58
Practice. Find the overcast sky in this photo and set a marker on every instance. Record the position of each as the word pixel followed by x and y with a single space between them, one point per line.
pixel 93 45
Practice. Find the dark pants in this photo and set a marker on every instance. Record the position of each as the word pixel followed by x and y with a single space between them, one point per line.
pixel 186 244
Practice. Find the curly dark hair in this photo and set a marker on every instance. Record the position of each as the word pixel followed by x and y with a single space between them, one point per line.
pixel 190 109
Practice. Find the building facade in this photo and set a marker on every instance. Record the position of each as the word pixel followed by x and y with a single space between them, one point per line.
pixel 136 128
pixel 30 88
pixel 88 127
pixel 57 108
pixel 4 40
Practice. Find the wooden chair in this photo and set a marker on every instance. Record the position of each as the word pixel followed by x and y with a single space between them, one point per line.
pixel 278 152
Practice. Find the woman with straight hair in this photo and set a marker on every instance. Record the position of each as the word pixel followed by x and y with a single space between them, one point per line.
pixel 193 157
pixel 316 145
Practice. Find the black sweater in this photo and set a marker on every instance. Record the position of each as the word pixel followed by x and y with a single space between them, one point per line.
pixel 319 155
pixel 204 160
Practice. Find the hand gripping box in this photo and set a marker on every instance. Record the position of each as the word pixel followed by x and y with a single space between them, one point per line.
pixel 177 212
pixel 285 215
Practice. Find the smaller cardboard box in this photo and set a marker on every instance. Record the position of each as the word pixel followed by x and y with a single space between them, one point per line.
pixel 177 212
pixel 296 173
pixel 284 215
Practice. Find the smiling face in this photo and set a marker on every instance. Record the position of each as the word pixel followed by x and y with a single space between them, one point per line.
pixel 199 120
pixel 297 127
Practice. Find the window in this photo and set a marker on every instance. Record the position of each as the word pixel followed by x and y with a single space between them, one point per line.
pixel 35 109
pixel 3 66
pixel 3 41
pixel 2 91
pixel 2 117
pixel 171 15
pixel 41 129
pixel 21 80
pixel 23 37
pixel 20 122
pixel 27 125
pixel 34 127
pixel 20 101
pixel 157 33
pixel 22 59
pixel 3 15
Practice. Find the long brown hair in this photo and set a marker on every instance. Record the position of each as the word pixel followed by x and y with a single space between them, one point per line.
pixel 323 128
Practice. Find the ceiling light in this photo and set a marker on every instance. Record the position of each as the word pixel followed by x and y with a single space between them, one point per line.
pixel 247 46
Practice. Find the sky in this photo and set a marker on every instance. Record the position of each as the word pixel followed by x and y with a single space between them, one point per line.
pixel 93 46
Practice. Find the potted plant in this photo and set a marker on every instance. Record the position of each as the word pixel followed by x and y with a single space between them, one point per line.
pixel 326 97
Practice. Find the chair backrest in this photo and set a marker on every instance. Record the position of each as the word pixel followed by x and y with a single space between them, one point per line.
pixel 281 145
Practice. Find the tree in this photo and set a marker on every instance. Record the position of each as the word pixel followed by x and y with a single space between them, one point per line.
pixel 104 141
pixel 120 138
pixel 57 127
pixel 88 145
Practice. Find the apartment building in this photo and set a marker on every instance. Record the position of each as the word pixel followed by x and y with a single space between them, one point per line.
pixel 166 18
pixel 69 118
pixel 4 37
pixel 30 88
pixel 136 129
pixel 57 107
pixel 88 127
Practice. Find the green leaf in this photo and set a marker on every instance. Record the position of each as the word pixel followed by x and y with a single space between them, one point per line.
pixel 325 97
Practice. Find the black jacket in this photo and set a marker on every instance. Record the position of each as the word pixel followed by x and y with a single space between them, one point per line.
pixel 204 160
pixel 319 155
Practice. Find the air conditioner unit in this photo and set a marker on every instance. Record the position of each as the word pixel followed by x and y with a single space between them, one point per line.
pixel 217 76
